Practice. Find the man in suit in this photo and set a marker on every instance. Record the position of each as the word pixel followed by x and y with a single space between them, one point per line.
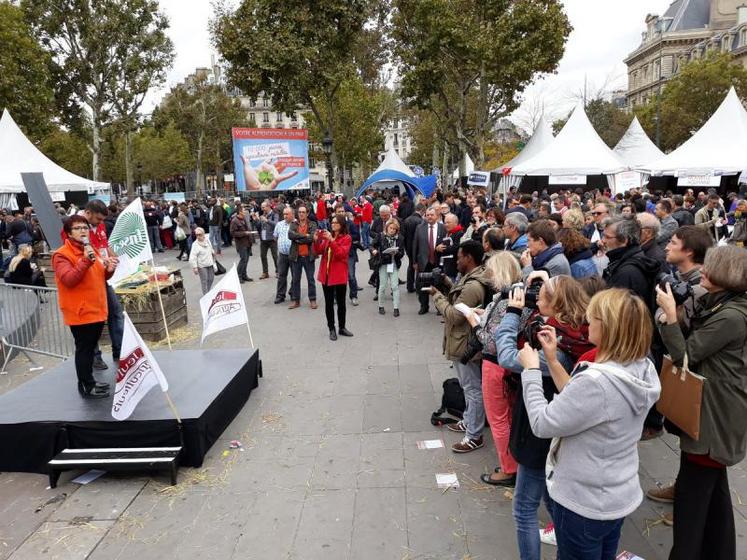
pixel 408 230
pixel 428 236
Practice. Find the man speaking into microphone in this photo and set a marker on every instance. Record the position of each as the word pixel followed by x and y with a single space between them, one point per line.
pixel 81 282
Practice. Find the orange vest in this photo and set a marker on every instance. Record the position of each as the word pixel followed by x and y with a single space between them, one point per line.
pixel 86 302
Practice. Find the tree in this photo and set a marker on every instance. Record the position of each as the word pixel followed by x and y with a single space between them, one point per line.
pixel 359 116
pixel 204 114
pixel 609 121
pixel 25 88
pixel 479 56
pixel 160 156
pixel 300 52
pixel 68 150
pixel 93 45
pixel 690 98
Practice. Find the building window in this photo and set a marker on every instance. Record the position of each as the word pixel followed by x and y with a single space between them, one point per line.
pixel 265 117
pixel 396 140
pixel 252 118
pixel 312 162
pixel 279 116
pixel 265 102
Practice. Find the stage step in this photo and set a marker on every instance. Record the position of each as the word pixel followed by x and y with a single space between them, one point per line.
pixel 115 459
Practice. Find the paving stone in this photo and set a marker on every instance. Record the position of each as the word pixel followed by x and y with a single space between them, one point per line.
pixel 63 540
pixel 379 526
pixel 326 525
pixel 105 498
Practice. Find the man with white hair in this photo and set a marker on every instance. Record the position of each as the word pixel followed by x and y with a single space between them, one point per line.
pixel 650 227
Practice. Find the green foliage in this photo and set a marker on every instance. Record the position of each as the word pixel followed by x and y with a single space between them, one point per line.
pixel 105 53
pixel 358 118
pixel 609 121
pixel 204 114
pixel 67 150
pixel 690 98
pixel 470 56
pixel 25 81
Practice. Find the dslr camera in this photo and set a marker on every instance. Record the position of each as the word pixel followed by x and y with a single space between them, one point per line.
pixel 531 332
pixel 531 292
pixel 433 278
pixel 681 290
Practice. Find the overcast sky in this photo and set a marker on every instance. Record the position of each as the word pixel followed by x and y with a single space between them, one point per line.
pixel 604 32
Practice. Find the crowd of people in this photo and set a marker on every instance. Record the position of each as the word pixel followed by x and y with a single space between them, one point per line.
pixel 558 310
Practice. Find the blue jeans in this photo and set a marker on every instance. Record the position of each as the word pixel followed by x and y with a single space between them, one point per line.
pixel 530 489
pixel 305 264
pixel 580 538
pixel 352 280
pixel 154 232
pixel 366 235
pixel 215 238
pixel 243 261
pixel 470 378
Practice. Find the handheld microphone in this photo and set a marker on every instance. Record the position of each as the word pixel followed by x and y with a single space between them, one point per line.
pixel 86 243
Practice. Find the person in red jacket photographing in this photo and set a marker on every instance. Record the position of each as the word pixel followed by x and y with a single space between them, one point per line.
pixel 334 248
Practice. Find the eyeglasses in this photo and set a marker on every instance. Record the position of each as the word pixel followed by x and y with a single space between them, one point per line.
pixel 597 213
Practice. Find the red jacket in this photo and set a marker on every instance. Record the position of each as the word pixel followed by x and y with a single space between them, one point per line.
pixel 321 209
pixel 333 269
pixel 367 214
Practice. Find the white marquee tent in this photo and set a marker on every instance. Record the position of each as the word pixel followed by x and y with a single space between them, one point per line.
pixel 18 155
pixel 541 138
pixel 635 148
pixel 577 150
pixel 718 148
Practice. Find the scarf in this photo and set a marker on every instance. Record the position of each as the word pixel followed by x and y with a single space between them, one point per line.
pixel 542 259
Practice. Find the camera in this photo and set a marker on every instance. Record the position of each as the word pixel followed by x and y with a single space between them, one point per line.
pixel 531 292
pixel 681 290
pixel 427 279
pixel 531 332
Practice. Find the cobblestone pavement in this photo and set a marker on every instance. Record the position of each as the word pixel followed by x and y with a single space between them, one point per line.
pixel 330 467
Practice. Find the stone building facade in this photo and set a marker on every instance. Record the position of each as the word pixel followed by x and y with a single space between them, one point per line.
pixel 686 31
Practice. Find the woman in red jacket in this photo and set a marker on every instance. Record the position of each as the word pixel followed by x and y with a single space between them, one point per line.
pixel 334 248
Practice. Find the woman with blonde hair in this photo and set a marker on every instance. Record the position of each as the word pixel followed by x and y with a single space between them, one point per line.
pixel 390 246
pixel 574 219
pixel 595 422
pixel 504 271
pixel 561 303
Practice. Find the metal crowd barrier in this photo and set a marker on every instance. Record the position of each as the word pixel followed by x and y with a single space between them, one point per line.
pixel 31 323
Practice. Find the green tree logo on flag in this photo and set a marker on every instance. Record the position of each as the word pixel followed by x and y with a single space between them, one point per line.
pixel 130 236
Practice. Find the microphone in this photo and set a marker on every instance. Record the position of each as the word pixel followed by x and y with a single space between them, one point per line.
pixel 86 243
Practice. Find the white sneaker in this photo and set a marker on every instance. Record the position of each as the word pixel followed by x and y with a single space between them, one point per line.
pixel 547 535
pixel 354 301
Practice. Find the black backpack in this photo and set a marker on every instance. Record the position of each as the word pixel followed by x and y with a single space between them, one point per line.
pixel 452 402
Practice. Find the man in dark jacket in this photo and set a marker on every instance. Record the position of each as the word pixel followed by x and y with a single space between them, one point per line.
pixel 268 219
pixel 301 234
pixel 406 208
pixel 153 220
pixel 650 229
pixel 629 267
pixel 449 246
pixel 408 231
pixel 241 233
pixel 215 219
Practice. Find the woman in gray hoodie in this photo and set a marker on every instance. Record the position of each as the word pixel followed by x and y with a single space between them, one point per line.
pixel 595 423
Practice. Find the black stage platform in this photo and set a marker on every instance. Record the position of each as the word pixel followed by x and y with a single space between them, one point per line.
pixel 46 414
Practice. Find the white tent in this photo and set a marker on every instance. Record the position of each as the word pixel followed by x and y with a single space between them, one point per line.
pixel 392 162
pixel 18 155
pixel 468 164
pixel 718 148
pixel 577 150
pixel 635 148
pixel 541 138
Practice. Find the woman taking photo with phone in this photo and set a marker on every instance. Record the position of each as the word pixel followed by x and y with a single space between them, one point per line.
pixel 334 248
pixel 595 422
pixel 715 349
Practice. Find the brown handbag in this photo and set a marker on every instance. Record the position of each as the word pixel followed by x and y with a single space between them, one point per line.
pixel 681 396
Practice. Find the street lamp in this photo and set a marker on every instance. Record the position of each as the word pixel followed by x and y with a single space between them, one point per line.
pixel 327 147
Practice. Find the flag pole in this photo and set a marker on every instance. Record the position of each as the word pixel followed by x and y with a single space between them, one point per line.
pixel 172 407
pixel 160 302
pixel 248 328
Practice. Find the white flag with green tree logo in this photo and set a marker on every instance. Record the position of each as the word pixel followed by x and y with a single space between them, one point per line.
pixel 129 241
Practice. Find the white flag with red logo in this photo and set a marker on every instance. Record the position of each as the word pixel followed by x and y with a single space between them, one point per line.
pixel 138 373
pixel 223 306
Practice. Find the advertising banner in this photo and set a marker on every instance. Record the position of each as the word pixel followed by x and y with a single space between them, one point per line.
pixel 479 178
pixel 699 181
pixel 566 180
pixel 268 159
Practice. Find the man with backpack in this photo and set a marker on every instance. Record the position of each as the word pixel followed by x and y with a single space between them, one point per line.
pixel 472 290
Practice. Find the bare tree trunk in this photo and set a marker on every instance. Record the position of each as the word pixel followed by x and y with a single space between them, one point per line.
pixel 199 178
pixel 95 143
pixel 445 171
pixel 129 175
